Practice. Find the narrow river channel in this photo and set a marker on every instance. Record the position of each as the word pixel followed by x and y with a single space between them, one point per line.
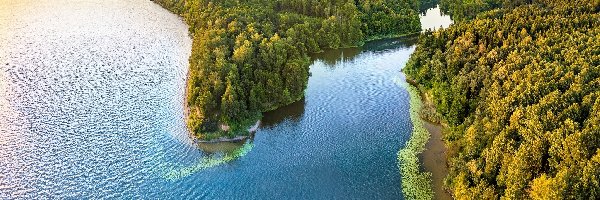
pixel 91 107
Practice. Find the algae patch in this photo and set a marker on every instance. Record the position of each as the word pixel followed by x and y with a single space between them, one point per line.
pixel 415 184
pixel 208 162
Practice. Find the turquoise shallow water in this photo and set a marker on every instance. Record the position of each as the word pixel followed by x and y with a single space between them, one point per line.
pixel 91 107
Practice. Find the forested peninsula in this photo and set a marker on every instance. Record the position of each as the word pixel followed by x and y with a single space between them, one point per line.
pixel 252 56
pixel 518 83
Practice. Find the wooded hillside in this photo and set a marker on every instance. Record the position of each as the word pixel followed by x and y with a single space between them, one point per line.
pixel 520 90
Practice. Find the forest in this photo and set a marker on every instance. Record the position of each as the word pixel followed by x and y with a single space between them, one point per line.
pixel 252 56
pixel 518 84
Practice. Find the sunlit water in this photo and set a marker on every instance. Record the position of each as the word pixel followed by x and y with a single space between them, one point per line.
pixel 434 19
pixel 91 107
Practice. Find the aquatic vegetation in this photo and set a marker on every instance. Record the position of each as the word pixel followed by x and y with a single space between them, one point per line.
pixel 415 184
pixel 208 162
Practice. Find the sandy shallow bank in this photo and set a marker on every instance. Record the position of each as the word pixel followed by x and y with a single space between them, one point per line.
pixel 433 160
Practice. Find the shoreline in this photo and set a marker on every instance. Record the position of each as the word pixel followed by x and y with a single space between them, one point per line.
pixel 416 183
pixel 433 159
pixel 237 138
pixel 186 113
pixel 223 139
pixel 186 108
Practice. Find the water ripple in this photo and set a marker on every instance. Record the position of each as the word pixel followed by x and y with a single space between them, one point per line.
pixel 85 88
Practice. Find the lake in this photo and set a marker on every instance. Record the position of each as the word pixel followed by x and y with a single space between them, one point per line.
pixel 91 107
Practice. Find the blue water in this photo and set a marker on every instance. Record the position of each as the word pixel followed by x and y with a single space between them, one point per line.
pixel 91 107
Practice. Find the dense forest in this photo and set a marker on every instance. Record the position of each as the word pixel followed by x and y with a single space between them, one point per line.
pixel 519 87
pixel 462 10
pixel 251 56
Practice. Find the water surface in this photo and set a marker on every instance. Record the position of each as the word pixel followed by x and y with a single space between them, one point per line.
pixel 91 107
pixel 90 98
pixel 433 19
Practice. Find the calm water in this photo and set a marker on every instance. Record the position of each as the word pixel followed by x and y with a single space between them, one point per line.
pixel 91 107
pixel 434 19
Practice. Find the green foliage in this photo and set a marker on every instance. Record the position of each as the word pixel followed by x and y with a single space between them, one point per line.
pixel 251 56
pixel 427 4
pixel 520 89
pixel 468 9
pixel 387 19
pixel 415 184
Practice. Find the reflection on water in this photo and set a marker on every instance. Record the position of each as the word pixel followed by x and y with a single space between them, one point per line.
pixel 292 113
pixel 386 44
pixel 212 148
pixel 332 57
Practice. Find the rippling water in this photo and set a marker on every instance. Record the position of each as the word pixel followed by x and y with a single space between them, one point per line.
pixel 91 107
pixel 90 93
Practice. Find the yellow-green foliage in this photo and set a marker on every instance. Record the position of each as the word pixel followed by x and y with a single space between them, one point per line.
pixel 415 184
pixel 520 90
